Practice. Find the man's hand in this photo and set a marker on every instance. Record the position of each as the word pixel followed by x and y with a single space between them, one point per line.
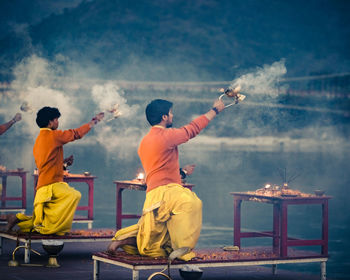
pixel 188 169
pixel 97 119
pixel 17 117
pixel 68 161
pixel 219 105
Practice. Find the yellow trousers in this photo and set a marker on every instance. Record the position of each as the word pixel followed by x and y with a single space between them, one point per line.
pixel 54 208
pixel 171 219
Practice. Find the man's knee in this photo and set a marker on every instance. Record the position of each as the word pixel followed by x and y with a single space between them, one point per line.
pixel 77 195
pixel 197 204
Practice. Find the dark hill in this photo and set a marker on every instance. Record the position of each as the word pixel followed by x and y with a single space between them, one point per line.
pixel 190 40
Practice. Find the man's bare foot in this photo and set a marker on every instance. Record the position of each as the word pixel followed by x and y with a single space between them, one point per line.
pixel 115 244
pixel 11 221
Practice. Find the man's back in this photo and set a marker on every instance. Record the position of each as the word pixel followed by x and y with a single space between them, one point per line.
pixel 48 152
pixel 159 154
pixel 159 158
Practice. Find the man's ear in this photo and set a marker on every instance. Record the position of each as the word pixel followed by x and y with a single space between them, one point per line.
pixel 50 124
pixel 165 117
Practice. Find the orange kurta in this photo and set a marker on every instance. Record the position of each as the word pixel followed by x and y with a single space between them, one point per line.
pixel 48 152
pixel 159 154
pixel 172 214
pixel 55 201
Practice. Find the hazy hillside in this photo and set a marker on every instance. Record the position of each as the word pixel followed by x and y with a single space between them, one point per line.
pixel 188 40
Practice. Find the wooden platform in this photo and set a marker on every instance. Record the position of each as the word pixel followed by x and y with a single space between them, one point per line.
pixel 210 258
pixel 89 235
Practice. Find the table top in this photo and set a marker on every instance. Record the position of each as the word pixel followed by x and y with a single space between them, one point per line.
pixel 74 235
pixel 74 176
pixel 138 184
pixel 13 172
pixel 261 197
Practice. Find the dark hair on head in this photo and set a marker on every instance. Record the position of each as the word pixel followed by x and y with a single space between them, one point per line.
pixel 157 109
pixel 45 115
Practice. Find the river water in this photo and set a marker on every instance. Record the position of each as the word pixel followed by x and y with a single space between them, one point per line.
pixel 230 155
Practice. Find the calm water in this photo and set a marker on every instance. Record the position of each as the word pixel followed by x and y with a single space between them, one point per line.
pixel 242 150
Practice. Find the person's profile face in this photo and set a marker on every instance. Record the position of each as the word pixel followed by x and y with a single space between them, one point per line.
pixel 170 118
pixel 54 124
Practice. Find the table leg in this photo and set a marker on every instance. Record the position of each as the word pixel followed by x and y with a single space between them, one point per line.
pixel 324 247
pixel 135 274
pixel 1 244
pixel 35 183
pixel 24 191
pixel 323 271
pixel 3 194
pixel 91 200
pixel 284 230
pixel 119 207
pixel 26 253
pixel 237 222
pixel 276 228
pixel 96 269
pixel 274 269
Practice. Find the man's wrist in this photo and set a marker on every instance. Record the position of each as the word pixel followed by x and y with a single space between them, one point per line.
pixel 215 110
pixel 183 173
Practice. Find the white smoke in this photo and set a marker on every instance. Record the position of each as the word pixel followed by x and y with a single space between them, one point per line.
pixel 33 84
pixel 263 80
pixel 109 94
pixel 40 83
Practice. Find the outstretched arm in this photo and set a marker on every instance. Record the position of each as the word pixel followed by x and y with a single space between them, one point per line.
pixel 218 106
pixel 63 137
pixel 4 127
pixel 181 135
pixel 96 119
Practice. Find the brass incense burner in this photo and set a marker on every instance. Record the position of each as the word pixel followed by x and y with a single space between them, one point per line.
pixel 52 248
pixel 233 93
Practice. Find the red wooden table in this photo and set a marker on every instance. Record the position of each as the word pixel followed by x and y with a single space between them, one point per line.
pixel 23 176
pixel 80 178
pixel 279 233
pixel 130 185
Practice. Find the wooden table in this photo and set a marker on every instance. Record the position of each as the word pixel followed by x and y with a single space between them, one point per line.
pixel 80 178
pixel 130 185
pixel 279 233
pixel 210 258
pixel 88 235
pixel 4 198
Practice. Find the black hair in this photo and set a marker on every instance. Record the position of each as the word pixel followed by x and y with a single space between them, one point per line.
pixel 156 110
pixel 45 115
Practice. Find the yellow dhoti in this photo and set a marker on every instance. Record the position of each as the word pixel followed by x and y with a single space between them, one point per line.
pixel 171 219
pixel 54 208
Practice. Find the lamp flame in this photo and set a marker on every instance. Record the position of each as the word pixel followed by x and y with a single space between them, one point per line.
pixel 140 176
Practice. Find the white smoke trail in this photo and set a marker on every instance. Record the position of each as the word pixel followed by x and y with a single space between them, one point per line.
pixel 109 94
pixel 42 83
pixel 263 80
pixel 34 83
pixel 122 135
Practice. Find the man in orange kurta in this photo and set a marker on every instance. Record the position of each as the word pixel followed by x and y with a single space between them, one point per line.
pixel 55 201
pixel 172 214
